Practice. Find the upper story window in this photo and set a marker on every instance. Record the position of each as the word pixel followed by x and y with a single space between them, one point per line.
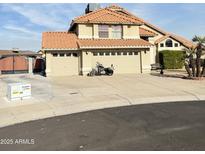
pixel 145 38
pixel 103 31
pixel 117 31
pixel 176 44
pixel 169 43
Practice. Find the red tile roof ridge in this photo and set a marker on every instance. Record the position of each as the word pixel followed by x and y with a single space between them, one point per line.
pixel 90 13
pixel 125 17
pixel 145 22
pixel 115 14
pixel 147 30
pixel 59 32
pixel 109 39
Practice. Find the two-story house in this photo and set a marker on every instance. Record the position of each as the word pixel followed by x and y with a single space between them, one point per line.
pixel 111 36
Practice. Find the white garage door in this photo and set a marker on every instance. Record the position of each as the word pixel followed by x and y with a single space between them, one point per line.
pixel 123 61
pixel 65 64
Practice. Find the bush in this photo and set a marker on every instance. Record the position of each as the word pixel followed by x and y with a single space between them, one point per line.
pixel 172 59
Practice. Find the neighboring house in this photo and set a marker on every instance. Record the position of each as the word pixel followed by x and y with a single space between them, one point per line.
pixel 111 36
pixel 17 61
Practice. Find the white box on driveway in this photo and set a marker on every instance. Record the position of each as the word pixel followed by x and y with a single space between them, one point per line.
pixel 16 91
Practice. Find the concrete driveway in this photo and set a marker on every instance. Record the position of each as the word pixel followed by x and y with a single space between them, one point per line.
pixel 65 95
pixel 118 86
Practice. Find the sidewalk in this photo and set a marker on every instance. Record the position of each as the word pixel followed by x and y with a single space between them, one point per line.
pixel 61 96
pixel 34 111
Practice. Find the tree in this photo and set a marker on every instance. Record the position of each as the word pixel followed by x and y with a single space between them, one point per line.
pixel 193 58
pixel 199 48
pixel 189 61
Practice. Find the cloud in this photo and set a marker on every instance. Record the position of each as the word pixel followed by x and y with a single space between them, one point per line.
pixel 21 30
pixel 22 24
pixel 144 11
pixel 50 16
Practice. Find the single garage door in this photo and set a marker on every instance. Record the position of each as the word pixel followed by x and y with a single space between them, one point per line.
pixel 65 64
pixel 123 61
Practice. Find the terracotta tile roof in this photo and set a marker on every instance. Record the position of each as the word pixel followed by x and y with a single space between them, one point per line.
pixel 105 15
pixel 18 53
pixel 184 41
pixel 161 39
pixel 112 43
pixel 180 39
pixel 59 40
pixel 66 40
pixel 146 32
pixel 125 12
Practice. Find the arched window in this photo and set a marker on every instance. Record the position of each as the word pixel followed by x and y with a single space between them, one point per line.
pixel 168 43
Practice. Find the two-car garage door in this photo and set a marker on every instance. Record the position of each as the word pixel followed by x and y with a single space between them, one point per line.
pixel 65 63
pixel 69 63
pixel 123 61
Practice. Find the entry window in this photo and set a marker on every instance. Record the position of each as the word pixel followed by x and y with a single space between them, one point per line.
pixel 75 55
pixel 117 31
pixel 118 53
pixel 68 54
pixel 95 53
pixel 62 54
pixel 161 44
pixel 101 53
pixel 55 55
pixel 130 53
pixel 124 53
pixel 169 43
pixel 135 53
pixel 103 31
pixel 112 53
pixel 176 44
pixel 107 53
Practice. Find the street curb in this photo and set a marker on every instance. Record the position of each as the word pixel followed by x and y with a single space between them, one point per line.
pixel 53 111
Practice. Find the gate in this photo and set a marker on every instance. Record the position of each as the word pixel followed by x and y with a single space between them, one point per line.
pixel 14 64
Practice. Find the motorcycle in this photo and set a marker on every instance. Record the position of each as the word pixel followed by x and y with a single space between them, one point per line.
pixel 101 70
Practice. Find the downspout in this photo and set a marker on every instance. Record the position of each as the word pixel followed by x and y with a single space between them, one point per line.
pixel 45 63
pixel 141 62
pixel 157 54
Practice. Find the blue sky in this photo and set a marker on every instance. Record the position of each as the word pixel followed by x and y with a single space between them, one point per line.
pixel 22 24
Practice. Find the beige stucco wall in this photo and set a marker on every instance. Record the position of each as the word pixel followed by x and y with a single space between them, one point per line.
pixel 86 62
pixel 154 54
pixel 62 66
pixel 159 35
pixel 131 32
pixel 85 30
pixel 48 57
pixel 180 47
pixel 95 31
pixel 91 31
pixel 146 61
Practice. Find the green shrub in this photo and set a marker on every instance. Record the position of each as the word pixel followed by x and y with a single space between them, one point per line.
pixel 172 59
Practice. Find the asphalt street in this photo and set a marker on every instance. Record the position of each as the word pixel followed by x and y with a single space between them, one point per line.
pixel 162 126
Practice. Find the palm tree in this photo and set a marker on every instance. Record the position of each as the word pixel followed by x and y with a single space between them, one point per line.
pixel 189 61
pixel 200 46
